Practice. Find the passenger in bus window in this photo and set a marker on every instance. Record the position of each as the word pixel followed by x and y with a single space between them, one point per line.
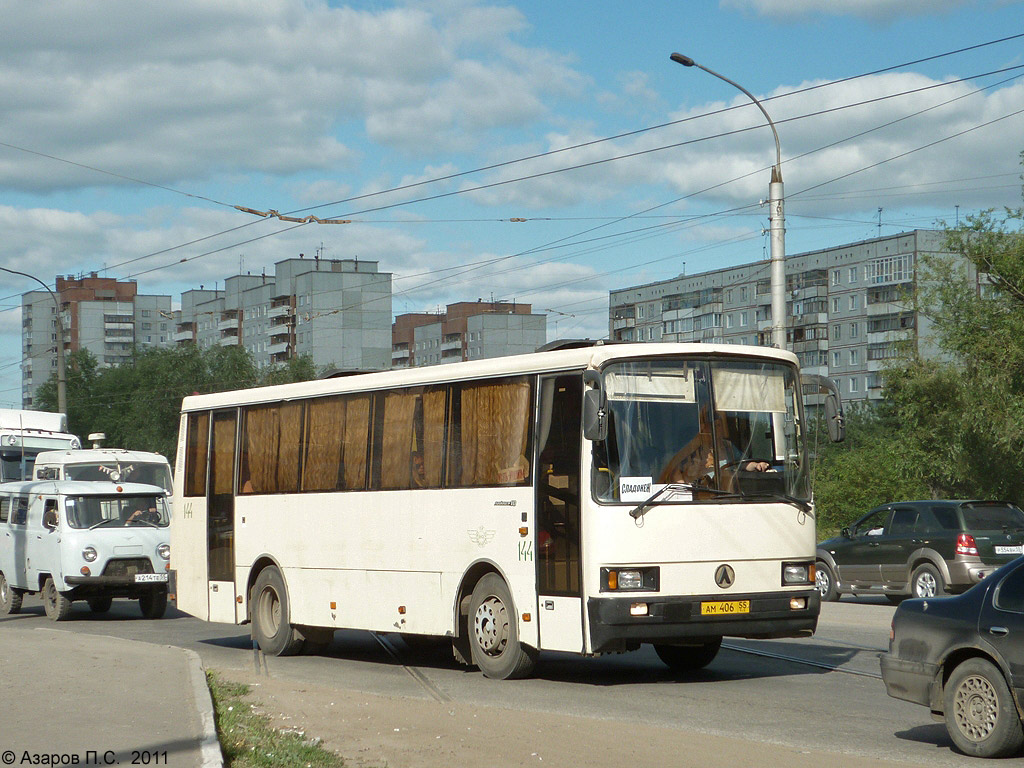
pixel 419 471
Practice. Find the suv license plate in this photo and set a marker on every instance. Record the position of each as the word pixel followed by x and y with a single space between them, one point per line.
pixel 724 608
pixel 144 577
pixel 1017 550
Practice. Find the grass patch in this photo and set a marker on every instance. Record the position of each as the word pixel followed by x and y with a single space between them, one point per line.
pixel 248 740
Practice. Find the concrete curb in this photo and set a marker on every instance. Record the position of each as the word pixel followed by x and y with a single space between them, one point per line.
pixel 209 744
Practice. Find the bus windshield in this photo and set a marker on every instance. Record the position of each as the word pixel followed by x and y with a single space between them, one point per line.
pixel 116 511
pixel 719 427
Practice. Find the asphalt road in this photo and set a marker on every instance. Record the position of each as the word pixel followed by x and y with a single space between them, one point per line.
pixel 818 694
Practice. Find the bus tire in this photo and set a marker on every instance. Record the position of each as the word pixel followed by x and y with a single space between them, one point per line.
pixel 271 618
pixel 56 604
pixel 494 634
pixel 153 604
pixel 99 604
pixel 10 598
pixel 688 658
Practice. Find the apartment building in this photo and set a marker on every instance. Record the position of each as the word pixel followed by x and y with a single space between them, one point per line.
pixel 467 330
pixel 848 308
pixel 337 311
pixel 106 316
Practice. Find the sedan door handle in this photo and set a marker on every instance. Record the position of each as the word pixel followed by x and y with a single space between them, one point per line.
pixel 998 631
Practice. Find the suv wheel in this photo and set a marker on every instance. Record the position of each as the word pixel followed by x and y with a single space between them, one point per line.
pixel 825 581
pixel 927 582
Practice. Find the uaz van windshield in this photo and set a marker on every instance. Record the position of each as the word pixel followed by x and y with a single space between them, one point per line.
pixel 116 511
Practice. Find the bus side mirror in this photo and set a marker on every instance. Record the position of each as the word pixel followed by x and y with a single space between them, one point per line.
pixel 595 420
pixel 832 405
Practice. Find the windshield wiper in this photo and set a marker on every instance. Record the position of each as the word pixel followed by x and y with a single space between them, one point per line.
pixel 803 506
pixel 639 510
pixel 139 521
pixel 104 522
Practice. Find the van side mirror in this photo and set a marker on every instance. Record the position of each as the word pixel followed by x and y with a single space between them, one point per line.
pixel 50 519
pixel 835 421
pixel 595 419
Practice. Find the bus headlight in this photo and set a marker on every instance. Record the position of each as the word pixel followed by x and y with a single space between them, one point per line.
pixel 629 579
pixel 164 550
pixel 797 574
pixel 89 554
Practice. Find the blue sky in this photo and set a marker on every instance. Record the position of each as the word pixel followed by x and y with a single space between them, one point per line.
pixel 130 131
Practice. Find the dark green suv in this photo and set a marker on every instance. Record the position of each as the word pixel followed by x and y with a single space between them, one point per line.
pixel 920 549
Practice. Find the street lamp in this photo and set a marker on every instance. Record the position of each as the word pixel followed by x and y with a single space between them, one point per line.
pixel 62 396
pixel 776 217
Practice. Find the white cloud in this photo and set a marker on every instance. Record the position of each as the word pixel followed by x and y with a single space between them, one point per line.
pixel 200 87
pixel 877 10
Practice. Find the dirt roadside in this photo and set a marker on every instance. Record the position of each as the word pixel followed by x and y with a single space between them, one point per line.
pixel 369 730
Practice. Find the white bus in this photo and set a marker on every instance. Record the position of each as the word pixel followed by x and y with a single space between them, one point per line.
pixel 586 500
pixel 23 434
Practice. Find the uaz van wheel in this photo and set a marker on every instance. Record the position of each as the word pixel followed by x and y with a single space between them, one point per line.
pixel 99 604
pixel 57 606
pixel 153 604
pixel 271 619
pixel 10 598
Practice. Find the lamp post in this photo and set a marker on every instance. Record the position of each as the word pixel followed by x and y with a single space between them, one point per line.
pixel 776 216
pixel 62 396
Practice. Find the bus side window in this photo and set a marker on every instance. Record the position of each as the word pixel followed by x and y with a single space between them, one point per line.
pixel 5 507
pixel 489 437
pixel 196 449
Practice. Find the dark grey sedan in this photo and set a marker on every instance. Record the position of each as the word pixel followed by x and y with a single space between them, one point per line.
pixel 963 658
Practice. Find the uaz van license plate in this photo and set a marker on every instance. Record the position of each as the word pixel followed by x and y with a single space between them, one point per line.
pixel 144 577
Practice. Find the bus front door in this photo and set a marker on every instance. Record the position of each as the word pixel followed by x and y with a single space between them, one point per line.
pixel 221 517
pixel 560 602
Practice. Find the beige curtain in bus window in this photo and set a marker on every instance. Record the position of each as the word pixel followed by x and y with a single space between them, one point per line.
pixel 325 421
pixel 495 419
pixel 396 447
pixel 357 431
pixel 262 431
pixel 433 436
pixel 224 455
pixel 751 391
pixel 289 447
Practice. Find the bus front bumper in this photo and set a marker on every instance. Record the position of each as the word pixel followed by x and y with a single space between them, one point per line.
pixel 615 626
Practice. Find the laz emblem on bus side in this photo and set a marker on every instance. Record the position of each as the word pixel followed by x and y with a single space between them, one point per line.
pixel 481 536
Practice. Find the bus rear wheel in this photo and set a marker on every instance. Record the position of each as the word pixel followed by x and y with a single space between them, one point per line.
pixel 10 598
pixel 494 634
pixel 688 658
pixel 271 619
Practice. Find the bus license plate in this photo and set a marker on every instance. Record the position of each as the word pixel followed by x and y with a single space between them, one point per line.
pixel 724 608
pixel 144 577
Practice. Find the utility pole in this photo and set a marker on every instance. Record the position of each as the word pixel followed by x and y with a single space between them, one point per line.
pixel 776 216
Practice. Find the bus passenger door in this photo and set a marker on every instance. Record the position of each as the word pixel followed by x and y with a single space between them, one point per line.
pixel 560 602
pixel 221 517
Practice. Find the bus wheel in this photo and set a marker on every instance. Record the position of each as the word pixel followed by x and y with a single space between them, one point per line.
pixel 99 604
pixel 493 633
pixel 271 626
pixel 10 598
pixel 688 658
pixel 57 606
pixel 153 604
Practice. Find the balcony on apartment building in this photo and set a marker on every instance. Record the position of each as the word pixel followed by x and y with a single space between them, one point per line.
pixel 229 320
pixel 451 342
pixel 400 353
pixel 280 307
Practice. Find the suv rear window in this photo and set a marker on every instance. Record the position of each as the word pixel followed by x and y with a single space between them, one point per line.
pixel 937 518
pixel 992 517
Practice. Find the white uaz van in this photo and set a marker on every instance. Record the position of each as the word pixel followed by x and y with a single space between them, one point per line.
pixel 90 541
